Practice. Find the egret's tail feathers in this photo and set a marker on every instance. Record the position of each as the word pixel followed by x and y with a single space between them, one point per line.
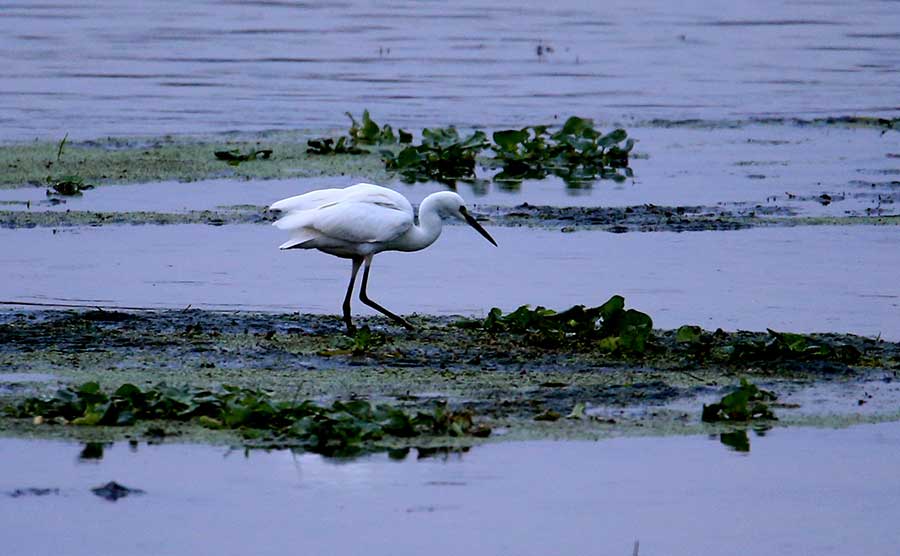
pixel 299 240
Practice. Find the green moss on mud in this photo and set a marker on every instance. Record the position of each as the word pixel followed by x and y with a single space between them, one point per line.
pixel 178 159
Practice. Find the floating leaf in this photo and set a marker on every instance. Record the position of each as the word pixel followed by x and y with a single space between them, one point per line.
pixel 748 402
pixel 688 334
pixel 578 412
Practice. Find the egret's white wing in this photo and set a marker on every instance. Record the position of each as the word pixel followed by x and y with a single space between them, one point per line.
pixel 311 200
pixel 362 213
pixel 355 221
pixel 363 192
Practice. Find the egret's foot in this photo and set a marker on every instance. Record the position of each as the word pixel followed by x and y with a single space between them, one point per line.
pixel 351 329
pixel 406 324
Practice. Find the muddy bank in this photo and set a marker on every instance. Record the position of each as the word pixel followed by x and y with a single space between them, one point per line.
pixel 518 385
pixel 643 218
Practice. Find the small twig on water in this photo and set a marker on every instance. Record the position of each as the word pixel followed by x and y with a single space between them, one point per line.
pixel 692 375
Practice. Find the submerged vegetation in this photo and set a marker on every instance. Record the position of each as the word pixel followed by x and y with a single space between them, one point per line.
pixel 341 428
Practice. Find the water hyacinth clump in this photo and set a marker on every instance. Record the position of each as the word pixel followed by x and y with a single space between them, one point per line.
pixel 609 327
pixel 442 156
pixel 577 152
pixel 366 132
pixel 748 402
pixel 342 427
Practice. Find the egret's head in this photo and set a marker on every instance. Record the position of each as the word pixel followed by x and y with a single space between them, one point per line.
pixel 451 204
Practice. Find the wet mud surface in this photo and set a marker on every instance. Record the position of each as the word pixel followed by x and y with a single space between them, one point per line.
pixel 642 218
pixel 508 380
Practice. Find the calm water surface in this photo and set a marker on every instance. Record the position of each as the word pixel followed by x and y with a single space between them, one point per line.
pixel 173 66
pixel 798 491
pixel 805 279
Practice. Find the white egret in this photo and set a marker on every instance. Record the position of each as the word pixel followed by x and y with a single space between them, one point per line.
pixel 359 221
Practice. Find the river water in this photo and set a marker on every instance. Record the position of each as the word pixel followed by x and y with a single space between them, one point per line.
pixel 106 67
pixel 797 491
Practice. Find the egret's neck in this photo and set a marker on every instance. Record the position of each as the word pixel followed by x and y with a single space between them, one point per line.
pixel 428 229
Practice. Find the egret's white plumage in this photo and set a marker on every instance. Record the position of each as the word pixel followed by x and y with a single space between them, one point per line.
pixel 359 221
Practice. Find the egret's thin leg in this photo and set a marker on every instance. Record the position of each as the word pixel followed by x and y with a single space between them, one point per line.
pixel 365 298
pixel 357 262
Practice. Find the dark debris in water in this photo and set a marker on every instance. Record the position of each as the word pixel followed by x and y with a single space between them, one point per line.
pixel 235 157
pixel 67 186
pixel 113 491
pixel 32 491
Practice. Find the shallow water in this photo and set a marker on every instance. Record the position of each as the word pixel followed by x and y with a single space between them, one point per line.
pixel 798 491
pixel 823 279
pixel 202 66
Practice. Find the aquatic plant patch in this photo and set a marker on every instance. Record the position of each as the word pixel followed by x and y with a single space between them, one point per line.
pixel 747 403
pixel 790 346
pixel 327 145
pixel 610 327
pixel 366 132
pixel 577 152
pixel 442 156
pixel 342 427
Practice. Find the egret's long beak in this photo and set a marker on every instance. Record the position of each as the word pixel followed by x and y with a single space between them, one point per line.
pixel 474 223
